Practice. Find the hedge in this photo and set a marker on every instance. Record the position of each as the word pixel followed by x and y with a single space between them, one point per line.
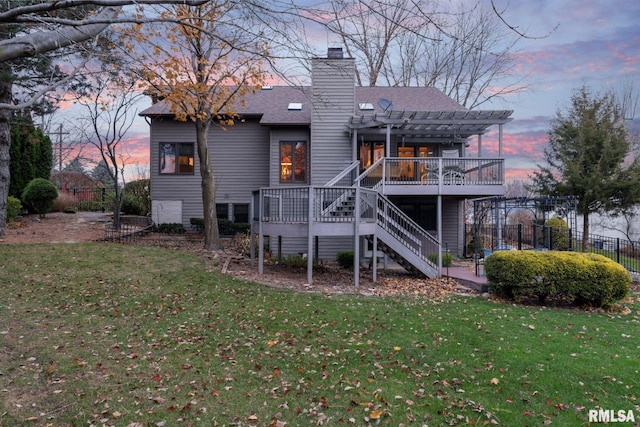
pixel 586 278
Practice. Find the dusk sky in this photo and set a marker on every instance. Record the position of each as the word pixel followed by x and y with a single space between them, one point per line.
pixel 596 43
pixel 579 42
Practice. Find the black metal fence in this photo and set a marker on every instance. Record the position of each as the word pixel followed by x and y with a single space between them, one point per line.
pixel 125 234
pixel 88 199
pixel 624 252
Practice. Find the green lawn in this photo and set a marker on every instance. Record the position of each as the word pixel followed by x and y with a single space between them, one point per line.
pixel 99 334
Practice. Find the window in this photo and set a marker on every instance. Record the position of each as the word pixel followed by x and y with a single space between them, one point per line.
pixel 241 213
pixel 293 162
pixel 370 153
pixel 222 210
pixel 176 158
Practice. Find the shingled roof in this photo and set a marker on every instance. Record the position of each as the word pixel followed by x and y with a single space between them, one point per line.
pixel 272 104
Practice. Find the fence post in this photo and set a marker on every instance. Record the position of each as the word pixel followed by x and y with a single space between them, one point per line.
pixel 535 235
pixel 519 237
pixel 570 239
pixel 618 250
pixel 102 198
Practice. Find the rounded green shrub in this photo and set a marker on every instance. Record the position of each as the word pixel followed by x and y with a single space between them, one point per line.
pixel 13 208
pixel 345 259
pixel 39 195
pixel 586 278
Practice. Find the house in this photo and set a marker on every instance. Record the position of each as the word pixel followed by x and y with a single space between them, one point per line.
pixel 335 167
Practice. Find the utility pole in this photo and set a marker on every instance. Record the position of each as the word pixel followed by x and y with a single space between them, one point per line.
pixel 60 133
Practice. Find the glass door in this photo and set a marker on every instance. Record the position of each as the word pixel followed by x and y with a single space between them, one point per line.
pixel 406 167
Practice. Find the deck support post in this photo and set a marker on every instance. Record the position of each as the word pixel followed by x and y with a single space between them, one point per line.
pixel 311 219
pixel 387 143
pixel 260 246
pixel 439 214
pixel 356 239
pixel 252 244
pixel 374 258
pixel 354 145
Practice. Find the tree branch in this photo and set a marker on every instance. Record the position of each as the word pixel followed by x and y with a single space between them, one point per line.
pixel 14 14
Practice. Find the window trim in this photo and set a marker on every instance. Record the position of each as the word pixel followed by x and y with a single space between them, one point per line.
pixel 291 163
pixel 176 158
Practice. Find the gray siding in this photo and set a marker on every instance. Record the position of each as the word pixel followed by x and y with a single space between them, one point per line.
pixel 240 160
pixel 328 247
pixel 334 103
pixel 452 226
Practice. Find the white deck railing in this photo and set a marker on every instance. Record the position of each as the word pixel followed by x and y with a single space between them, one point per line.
pixel 433 171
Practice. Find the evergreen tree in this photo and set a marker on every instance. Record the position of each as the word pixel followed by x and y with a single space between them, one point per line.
pixel 31 155
pixel 75 165
pixel 590 155
pixel 101 174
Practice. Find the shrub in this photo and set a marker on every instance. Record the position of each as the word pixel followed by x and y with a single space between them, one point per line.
pixel 345 259
pixel 131 205
pixel 475 245
pixel 171 228
pixel 137 197
pixel 14 207
pixel 227 227
pixel 63 202
pixel 295 262
pixel 197 224
pixel 39 195
pixel 559 233
pixel 583 277
pixel 447 258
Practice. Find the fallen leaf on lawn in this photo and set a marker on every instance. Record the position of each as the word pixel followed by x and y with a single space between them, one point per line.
pixel 375 414
pixel 494 381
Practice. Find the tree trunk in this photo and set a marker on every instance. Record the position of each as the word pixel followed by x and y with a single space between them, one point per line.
pixel 585 232
pixel 211 234
pixel 5 142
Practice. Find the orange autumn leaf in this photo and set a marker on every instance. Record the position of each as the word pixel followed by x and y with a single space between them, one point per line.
pixel 376 414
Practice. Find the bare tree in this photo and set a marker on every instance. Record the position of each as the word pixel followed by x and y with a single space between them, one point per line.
pixel 110 112
pixel 31 29
pixel 413 43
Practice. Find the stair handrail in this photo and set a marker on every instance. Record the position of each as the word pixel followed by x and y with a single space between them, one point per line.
pixel 415 230
pixel 335 180
pixel 377 181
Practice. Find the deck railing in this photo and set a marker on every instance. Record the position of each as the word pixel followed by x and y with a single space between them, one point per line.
pixel 329 204
pixel 433 171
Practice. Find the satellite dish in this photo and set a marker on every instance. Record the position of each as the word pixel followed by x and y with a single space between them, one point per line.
pixel 385 104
